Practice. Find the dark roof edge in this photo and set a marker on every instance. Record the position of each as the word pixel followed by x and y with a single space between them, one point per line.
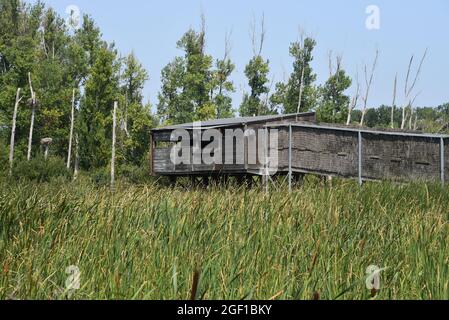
pixel 237 123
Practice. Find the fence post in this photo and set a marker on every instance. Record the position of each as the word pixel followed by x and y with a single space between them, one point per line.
pixel 267 179
pixel 114 124
pixel 360 159
pixel 290 172
pixel 442 161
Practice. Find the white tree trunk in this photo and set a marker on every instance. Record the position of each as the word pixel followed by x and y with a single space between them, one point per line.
pixel 46 152
pixel 33 114
pixel 72 122
pixel 300 91
pixel 404 118
pixel 114 121
pixel 393 106
pixel 362 121
pixel 30 138
pixel 348 121
pixel 13 131
pixel 77 158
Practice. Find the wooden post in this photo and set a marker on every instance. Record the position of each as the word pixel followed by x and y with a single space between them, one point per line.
pixel 46 142
pixel 266 161
pixel 153 147
pixel 442 161
pixel 360 159
pixel 77 158
pixel 290 171
pixel 33 113
pixel 246 146
pixel 46 152
pixel 114 121
pixel 13 131
pixel 72 122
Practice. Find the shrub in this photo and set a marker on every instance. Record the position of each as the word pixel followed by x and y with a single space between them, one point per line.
pixel 41 170
pixel 4 156
pixel 134 174
pixel 101 176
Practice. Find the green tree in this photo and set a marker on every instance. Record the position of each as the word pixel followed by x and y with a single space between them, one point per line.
pixel 19 54
pixel 257 73
pixel 95 124
pixel 136 120
pixel 187 83
pixel 299 93
pixel 334 104
pixel 36 40
pixel 223 86
pixel 172 108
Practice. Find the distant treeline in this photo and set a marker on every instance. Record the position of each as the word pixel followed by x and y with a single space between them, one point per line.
pixel 58 57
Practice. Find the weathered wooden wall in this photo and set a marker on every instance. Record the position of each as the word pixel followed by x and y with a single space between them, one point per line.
pixel 385 155
pixel 328 150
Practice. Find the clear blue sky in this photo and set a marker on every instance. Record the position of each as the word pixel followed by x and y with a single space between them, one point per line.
pixel 151 29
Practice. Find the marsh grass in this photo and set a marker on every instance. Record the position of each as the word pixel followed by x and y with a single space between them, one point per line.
pixel 151 242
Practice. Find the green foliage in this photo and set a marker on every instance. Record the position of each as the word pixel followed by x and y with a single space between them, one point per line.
pixel 286 97
pixel 426 119
pixel 136 120
pixel 135 174
pixel 96 111
pixel 37 41
pixel 257 73
pixel 134 77
pixel 225 87
pixel 171 108
pixel 40 170
pixel 101 176
pixel 334 104
pixel 191 89
pixel 4 155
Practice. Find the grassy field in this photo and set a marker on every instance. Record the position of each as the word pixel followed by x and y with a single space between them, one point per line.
pixel 145 242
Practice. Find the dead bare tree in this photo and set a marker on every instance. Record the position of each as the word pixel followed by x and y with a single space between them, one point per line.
pixel 203 32
pixel 415 125
pixel 226 56
pixel 368 83
pixel 301 80
pixel 77 157
pixel 329 55
pixel 408 90
pixel 72 123
pixel 332 73
pixel 257 45
pixel 33 114
pixel 114 124
pixel 411 104
pixel 393 105
pixel 354 101
pixel 13 131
